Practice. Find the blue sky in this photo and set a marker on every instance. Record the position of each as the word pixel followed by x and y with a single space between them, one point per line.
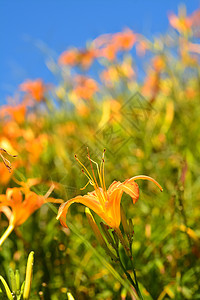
pixel 30 30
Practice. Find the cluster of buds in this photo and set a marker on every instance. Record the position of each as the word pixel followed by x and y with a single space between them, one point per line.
pixel 15 291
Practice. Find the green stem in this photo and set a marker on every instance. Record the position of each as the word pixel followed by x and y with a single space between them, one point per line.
pixel 133 269
pixel 136 282
pixel 123 242
pixel 127 274
pixel 6 234
pixel 128 249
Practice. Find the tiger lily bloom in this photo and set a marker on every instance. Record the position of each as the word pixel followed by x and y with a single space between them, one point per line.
pixel 18 210
pixel 104 202
pixel 34 88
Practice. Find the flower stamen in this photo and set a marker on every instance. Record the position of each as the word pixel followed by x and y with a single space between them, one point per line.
pixel 84 168
pixel 88 156
pixel 102 183
pixel 92 179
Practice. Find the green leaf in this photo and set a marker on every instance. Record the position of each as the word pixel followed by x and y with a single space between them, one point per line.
pixel 8 291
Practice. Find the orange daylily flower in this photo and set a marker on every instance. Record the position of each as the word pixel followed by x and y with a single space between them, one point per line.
pixel 5 175
pixel 113 74
pixel 17 112
pixel 68 57
pixel 36 146
pixel 18 210
pixel 110 44
pixel 180 23
pixel 158 63
pixel 36 89
pixel 109 52
pixel 104 202
pixel 11 130
pixel 87 57
pixel 110 75
pixel 151 85
pixel 124 40
pixel 105 46
pixel 183 23
pixel 85 87
pixel 74 57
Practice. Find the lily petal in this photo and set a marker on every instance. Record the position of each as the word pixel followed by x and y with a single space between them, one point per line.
pixel 4 201
pixel 90 201
pixel 113 208
pixel 31 203
pixel 129 186
pixel 14 195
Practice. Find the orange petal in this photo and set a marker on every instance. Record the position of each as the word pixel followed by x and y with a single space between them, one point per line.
pixel 90 201
pixel 7 211
pixel 31 203
pixel 144 177
pixel 113 208
pixel 14 195
pixel 129 186
pixel 4 201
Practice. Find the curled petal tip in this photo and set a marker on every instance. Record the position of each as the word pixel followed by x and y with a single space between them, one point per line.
pixel 144 177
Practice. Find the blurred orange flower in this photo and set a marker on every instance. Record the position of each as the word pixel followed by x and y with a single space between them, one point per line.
pixel 158 63
pixel 5 175
pixel 110 75
pixel 17 112
pixel 124 40
pixel 35 88
pixel 35 147
pixel 151 85
pixel 181 23
pixel 87 57
pixel 104 202
pixel 85 87
pixel 83 58
pixel 109 52
pixel 113 74
pixel 18 210
pixel 69 57
pixel 110 44
pixel 11 130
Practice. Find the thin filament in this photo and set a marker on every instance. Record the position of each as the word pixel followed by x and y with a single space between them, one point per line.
pixel 88 173
pixel 103 162
pixel 96 186
pixel 92 170
pixel 89 182
pixel 99 174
